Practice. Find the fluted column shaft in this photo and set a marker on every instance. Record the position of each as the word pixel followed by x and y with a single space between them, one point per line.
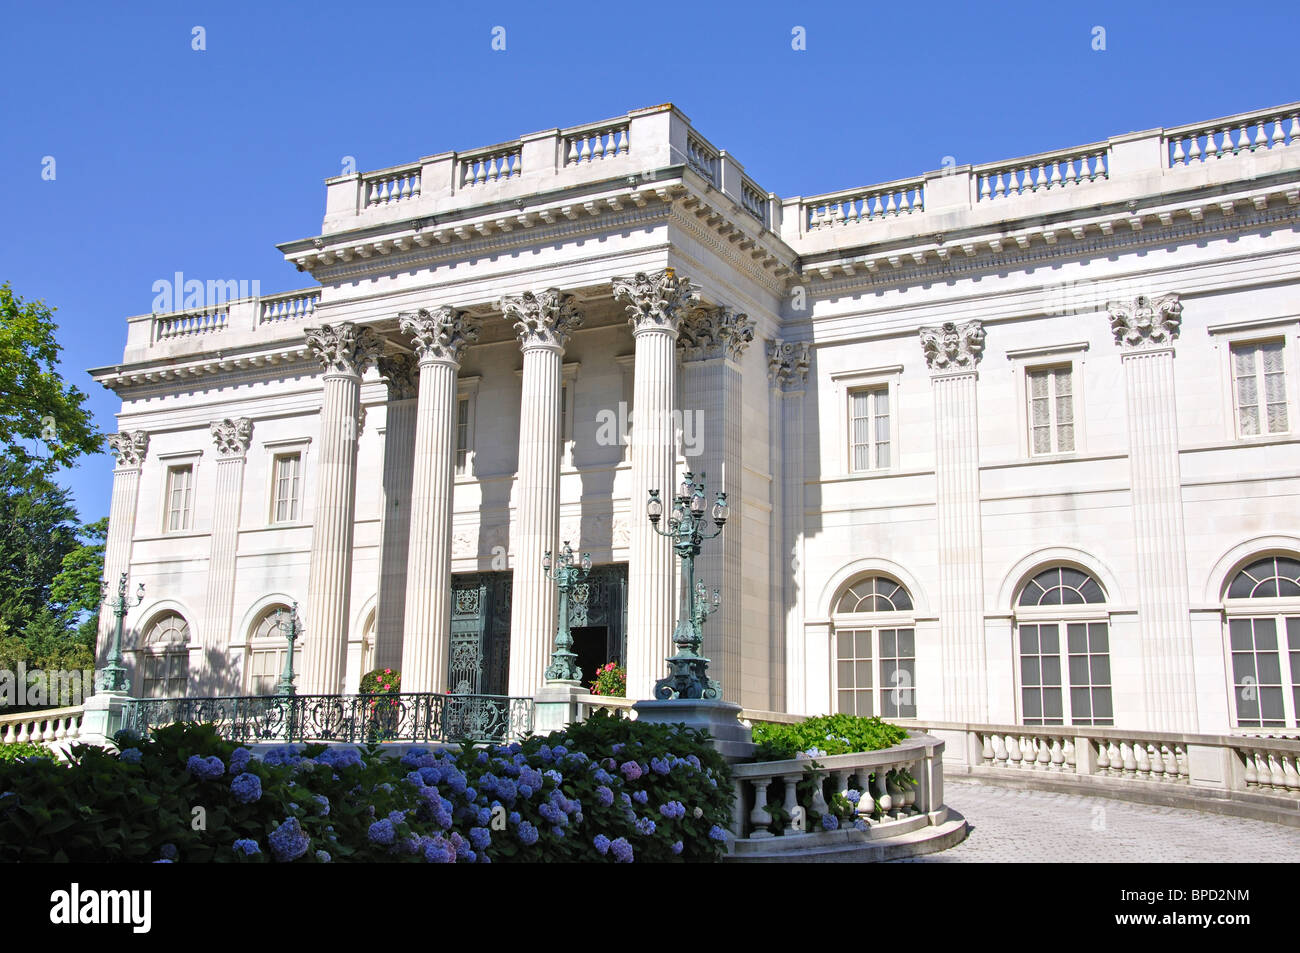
pixel 130 448
pixel 534 599
pixel 345 351
pixel 395 533
pixel 232 438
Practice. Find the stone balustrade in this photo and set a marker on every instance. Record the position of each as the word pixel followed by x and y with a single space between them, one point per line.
pixel 389 186
pixel 860 206
pixel 50 726
pixel 295 306
pixel 491 165
pixel 702 157
pixel 1049 170
pixel 587 145
pixel 190 324
pixel 1235 135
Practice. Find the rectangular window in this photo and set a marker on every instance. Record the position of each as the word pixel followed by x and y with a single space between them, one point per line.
pixel 1088 645
pixel 1259 386
pixel 1257 672
pixel 1051 410
pixel 869 429
pixel 288 469
pixel 898 673
pixel 179 488
pixel 264 669
pixel 462 434
pixel 853 672
pixel 1040 675
pixel 165 674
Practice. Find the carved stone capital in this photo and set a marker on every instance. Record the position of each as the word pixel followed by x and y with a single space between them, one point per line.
pixel 1144 322
pixel 655 300
pixel 344 348
pixel 401 373
pixel 232 437
pixel 129 446
pixel 951 347
pixel 440 334
pixel 707 333
pixel 542 318
pixel 787 362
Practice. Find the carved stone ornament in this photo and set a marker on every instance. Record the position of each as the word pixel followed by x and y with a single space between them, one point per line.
pixel 232 437
pixel 129 446
pixel 953 346
pixel 655 300
pixel 401 373
pixel 344 348
pixel 707 333
pixel 787 362
pixel 542 318
pixel 440 334
pixel 1145 322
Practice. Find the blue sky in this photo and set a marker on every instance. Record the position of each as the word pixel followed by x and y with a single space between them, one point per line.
pixel 169 159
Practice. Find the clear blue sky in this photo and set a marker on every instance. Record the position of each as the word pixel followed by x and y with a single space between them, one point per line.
pixel 168 159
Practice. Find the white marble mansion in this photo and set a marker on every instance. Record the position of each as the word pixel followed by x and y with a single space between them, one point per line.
pixel 1012 443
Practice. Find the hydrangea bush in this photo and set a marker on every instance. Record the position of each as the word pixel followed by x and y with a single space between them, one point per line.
pixel 607 790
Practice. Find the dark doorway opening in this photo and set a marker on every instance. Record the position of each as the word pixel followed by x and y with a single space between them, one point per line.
pixel 591 642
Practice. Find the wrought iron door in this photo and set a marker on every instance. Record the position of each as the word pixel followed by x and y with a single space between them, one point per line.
pixel 465 664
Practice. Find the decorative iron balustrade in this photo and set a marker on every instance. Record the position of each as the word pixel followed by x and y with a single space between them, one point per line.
pixel 342 719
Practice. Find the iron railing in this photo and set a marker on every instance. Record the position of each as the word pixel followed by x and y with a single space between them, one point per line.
pixel 357 719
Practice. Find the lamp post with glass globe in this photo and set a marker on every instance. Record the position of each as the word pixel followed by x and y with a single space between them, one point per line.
pixel 290 630
pixel 113 674
pixel 688 669
pixel 565 575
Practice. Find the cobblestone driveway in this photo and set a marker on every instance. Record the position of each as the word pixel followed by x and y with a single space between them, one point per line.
pixel 1010 824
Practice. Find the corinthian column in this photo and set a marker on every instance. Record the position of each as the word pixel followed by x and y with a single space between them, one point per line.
pixel 544 321
pixel 440 336
pixel 655 304
pixel 953 352
pixel 130 447
pixel 345 351
pixel 1145 329
pixel 232 438
pixel 712 341
pixel 401 373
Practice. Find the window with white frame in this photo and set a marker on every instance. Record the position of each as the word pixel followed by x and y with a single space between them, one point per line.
pixel 1051 409
pixel 1063 639
pixel 875 650
pixel 869 443
pixel 1262 607
pixel 267 647
pixel 287 488
pixel 178 515
pixel 1259 388
pixel 164 657
pixel 462 434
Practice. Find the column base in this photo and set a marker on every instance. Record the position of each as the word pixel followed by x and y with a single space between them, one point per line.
pixel 721 719
pixel 556 707
pixel 102 717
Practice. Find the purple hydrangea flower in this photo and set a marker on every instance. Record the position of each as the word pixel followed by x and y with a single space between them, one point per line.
pixel 601 843
pixel 246 788
pixel 860 825
pixel 338 758
pixel 323 856
pixel 677 847
pixel 205 769
pixel 631 770
pixel 527 834
pixel 830 822
pixel 604 796
pixel 289 841
pixel 717 833
pixel 659 766
pixel 382 833
pixel 640 796
pixel 645 826
pixel 239 759
pixel 673 810
pixel 622 850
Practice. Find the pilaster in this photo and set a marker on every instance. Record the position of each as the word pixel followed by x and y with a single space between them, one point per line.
pixel 402 374
pixel 232 438
pixel 130 448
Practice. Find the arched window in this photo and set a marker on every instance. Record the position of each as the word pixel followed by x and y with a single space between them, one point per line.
pixel 1262 607
pixel 1062 633
pixel 267 645
pixel 165 657
pixel 875 650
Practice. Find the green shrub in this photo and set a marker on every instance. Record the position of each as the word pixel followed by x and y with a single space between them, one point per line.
pixel 24 749
pixel 831 734
pixel 185 794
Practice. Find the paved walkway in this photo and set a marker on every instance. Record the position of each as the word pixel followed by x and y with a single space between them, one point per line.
pixel 1014 825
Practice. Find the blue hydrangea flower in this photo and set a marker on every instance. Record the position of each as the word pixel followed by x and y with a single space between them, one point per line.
pixel 555 776
pixel 382 833
pixel 853 796
pixel 545 753
pixel 631 770
pixel 659 766
pixel 247 846
pixel 645 826
pixel 640 796
pixel 618 748
pixel 289 841
pixel 514 818
pixel 283 754
pixel 168 852
pixel 621 850
pixel 205 769
pixel 484 817
pixel 164 861
pixel 397 816
pixel 239 759
pixel 830 822
pixel 530 777
pixel 673 810
pixel 246 788
pixel 601 843
pixel 860 825
pixel 677 847
pixel 604 796
pixel 717 833
pixel 527 834
pixel 481 758
pixel 324 803
pixel 131 756
pixel 525 791
pixel 438 851
pixel 338 758
pixel 323 856
pixel 601 776
pixel 479 837
pixel 557 831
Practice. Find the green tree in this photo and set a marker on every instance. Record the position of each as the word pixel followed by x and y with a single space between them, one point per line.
pixel 37 406
pixel 38 528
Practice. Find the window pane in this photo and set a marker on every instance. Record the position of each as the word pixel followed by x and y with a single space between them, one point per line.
pixel 844 641
pixel 1052 703
pixel 845 703
pixel 1051 669
pixel 1243 667
pixel 863 671
pixel 1239 635
pixel 1265 635
pixel 863 643
pixel 888 643
pixel 1270 702
pixel 1077 638
pixel 1078 670
pixel 1029 638
pixel 1080 704
pixel 1031 702
pixel 1270 670
pixel 1101 707
pixel 1049 639
pixel 1029 670
pixel 1100 665
pixel 844 671
pixel 907 641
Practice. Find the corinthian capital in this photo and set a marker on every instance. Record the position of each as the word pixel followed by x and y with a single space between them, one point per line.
pixel 787 362
pixel 952 346
pixel 129 446
pixel 344 348
pixel 1143 322
pixel 232 437
pixel 440 334
pixel 714 332
pixel 542 317
pixel 655 300
pixel 402 375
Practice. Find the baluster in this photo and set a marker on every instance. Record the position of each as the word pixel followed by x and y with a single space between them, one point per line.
pixel 1276 775
pixel 1028 752
pixel 1070 177
pixel 623 144
pixel 1243 139
pixel 758 817
pixel 1143 762
pixel 1262 773
pixel 1056 174
pixel 1211 147
pixel 1102 165
pixel 45 729
pixel 1293 134
pixel 791 802
pixel 415 185
pixel 1068 753
pixel 1172 769
pixel 584 154
pixel 1000 190
pixel 1013 183
pixel 1279 137
pixel 1289 773
pixel 918 200
pixel 1013 751
pixel 984 188
pixel 517 164
pixel 1250 776
pixel 909 790
pixel 839 781
pixel 818 804
pixel 1157 762
pixel 22 732
pixel 891 209
pixel 999 751
pixel 837 214
pixel 902 203
pixel 1180 157
pixel 883 800
pixel 1194 153
pixel 986 754
pixel 1044 758
pixel 1126 754
pixel 895 792
pixel 1261 137
pixel 1058 756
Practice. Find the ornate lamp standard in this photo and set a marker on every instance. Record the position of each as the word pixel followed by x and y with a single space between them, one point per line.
pixel 290 630
pixel 113 674
pixel 688 669
pixel 565 575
